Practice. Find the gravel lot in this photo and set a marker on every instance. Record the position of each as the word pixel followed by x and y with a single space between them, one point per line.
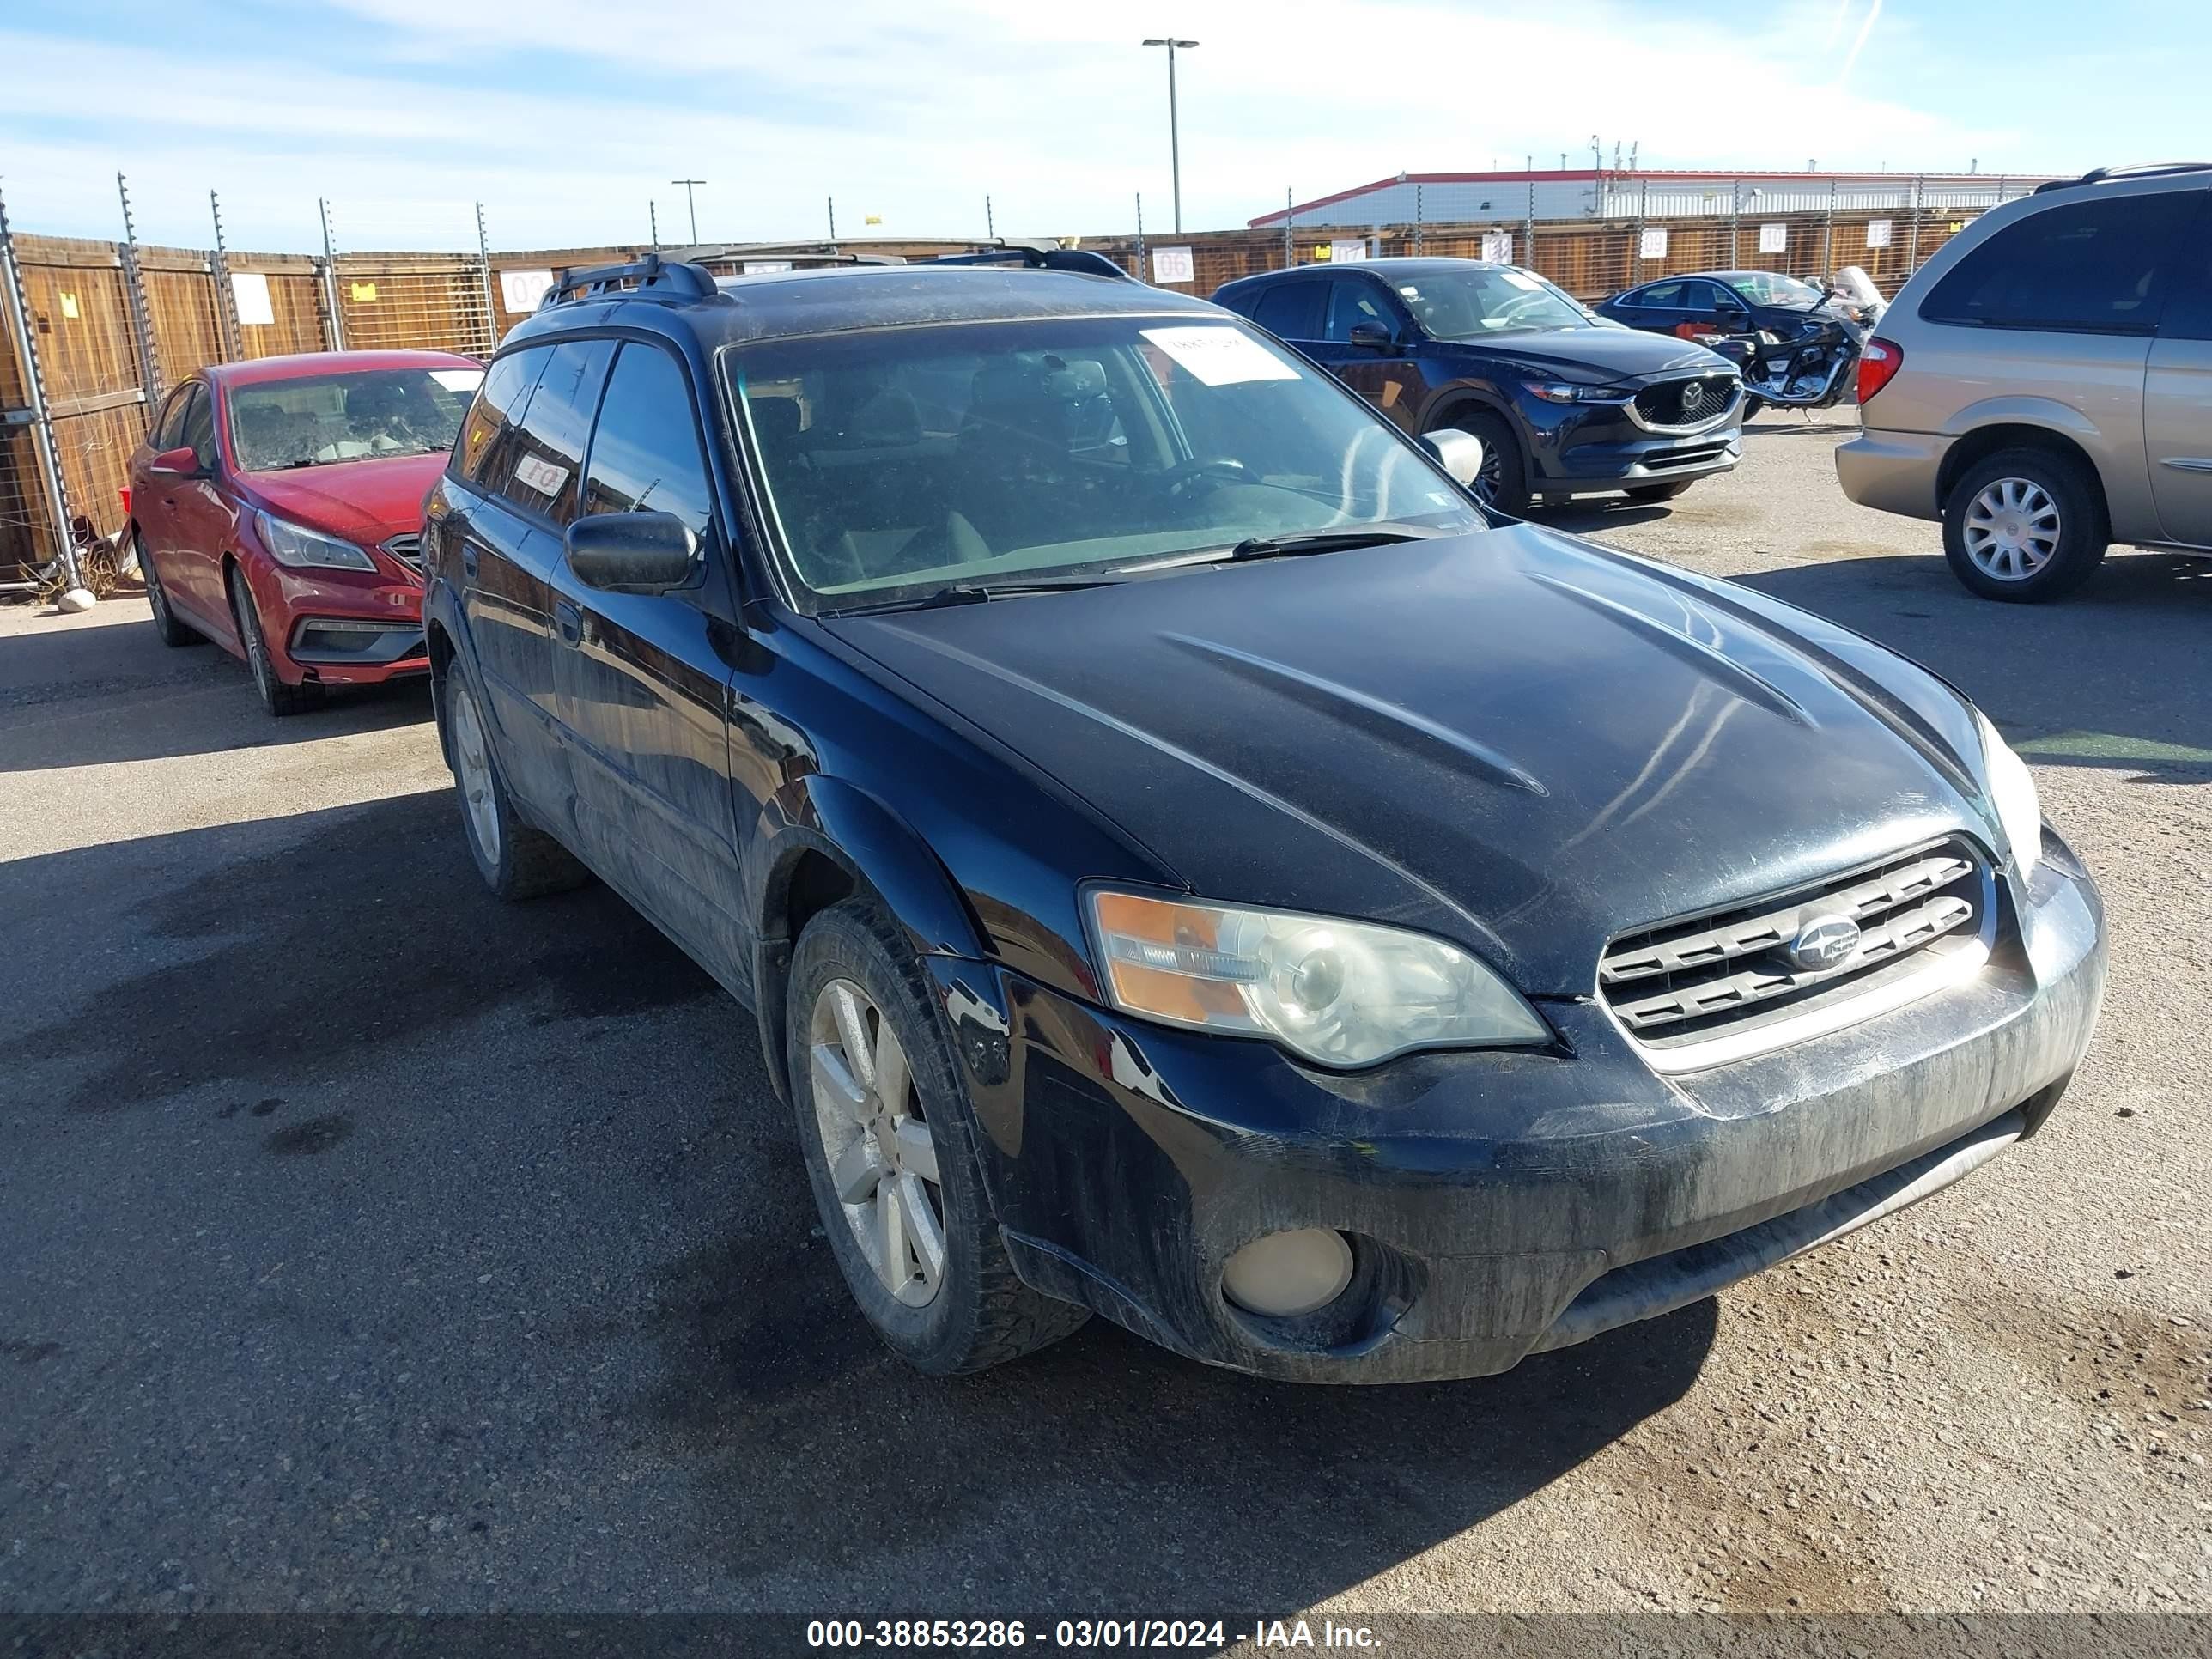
pixel 368 1245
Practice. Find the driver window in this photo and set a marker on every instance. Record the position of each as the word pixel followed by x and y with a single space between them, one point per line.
pixel 198 429
pixel 1355 300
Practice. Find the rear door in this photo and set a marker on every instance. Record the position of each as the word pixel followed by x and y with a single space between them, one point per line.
pixel 1658 308
pixel 203 522
pixel 2177 395
pixel 645 682
pixel 152 504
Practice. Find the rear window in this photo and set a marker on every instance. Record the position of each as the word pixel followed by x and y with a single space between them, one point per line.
pixel 2091 267
pixel 1292 310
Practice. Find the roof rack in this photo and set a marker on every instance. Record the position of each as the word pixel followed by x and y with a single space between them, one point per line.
pixel 2147 170
pixel 650 278
pixel 809 253
pixel 1035 256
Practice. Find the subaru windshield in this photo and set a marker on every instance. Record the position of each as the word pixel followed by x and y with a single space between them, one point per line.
pixel 966 457
pixel 1473 301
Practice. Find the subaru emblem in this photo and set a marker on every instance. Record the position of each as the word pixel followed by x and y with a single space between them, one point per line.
pixel 1824 942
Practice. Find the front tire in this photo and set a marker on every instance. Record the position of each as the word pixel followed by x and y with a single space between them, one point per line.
pixel 516 862
pixel 168 628
pixel 1501 482
pixel 2024 526
pixel 278 698
pixel 885 1130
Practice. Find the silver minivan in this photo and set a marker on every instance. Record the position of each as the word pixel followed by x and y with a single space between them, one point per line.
pixel 2044 384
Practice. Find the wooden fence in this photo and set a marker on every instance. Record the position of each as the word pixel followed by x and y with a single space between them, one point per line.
pixel 102 381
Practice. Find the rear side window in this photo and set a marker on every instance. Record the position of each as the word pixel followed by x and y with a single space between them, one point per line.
pixel 645 453
pixel 197 431
pixel 548 438
pixel 1292 310
pixel 485 454
pixel 168 430
pixel 1659 294
pixel 2091 267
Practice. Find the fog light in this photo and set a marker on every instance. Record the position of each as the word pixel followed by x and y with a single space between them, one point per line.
pixel 1285 1274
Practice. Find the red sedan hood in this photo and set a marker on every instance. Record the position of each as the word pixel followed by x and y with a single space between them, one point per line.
pixel 361 500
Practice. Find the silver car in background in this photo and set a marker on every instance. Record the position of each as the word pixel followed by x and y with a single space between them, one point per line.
pixel 2044 384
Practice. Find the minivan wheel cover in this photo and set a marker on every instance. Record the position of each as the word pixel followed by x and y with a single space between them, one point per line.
pixel 2011 529
pixel 880 1155
pixel 472 770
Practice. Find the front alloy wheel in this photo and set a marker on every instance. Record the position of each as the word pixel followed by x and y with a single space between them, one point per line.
pixel 881 1157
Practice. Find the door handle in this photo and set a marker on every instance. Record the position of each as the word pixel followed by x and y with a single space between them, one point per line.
pixel 468 559
pixel 568 622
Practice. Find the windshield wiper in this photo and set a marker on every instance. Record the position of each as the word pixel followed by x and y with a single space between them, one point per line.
pixel 974 593
pixel 1323 541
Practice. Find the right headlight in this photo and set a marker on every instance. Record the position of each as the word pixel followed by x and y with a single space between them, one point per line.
pixel 2012 791
pixel 1338 993
pixel 300 547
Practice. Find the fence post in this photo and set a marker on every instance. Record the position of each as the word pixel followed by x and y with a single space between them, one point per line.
pixel 653 218
pixel 1912 246
pixel 1828 237
pixel 1290 219
pixel 1139 272
pixel 34 389
pixel 234 348
pixel 484 269
pixel 1417 220
pixel 333 323
pixel 1736 223
pixel 1528 226
pixel 141 319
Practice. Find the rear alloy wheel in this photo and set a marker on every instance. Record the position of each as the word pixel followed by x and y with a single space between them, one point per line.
pixel 278 698
pixel 2023 526
pixel 516 862
pixel 168 627
pixel 885 1130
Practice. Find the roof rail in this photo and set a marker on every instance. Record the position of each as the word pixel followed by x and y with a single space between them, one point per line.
pixel 2147 170
pixel 809 253
pixel 1035 256
pixel 650 278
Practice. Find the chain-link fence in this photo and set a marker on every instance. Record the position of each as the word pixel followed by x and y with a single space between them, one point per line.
pixel 105 327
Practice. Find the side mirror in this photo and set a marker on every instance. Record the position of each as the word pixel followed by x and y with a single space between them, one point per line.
pixel 176 464
pixel 1460 453
pixel 1374 336
pixel 632 552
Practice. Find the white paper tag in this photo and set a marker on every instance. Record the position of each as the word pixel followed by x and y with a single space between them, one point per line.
pixel 458 379
pixel 1220 356
pixel 249 289
pixel 520 291
pixel 541 475
pixel 1174 265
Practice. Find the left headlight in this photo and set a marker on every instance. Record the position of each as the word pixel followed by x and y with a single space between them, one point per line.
pixel 2012 791
pixel 1561 392
pixel 300 547
pixel 1338 993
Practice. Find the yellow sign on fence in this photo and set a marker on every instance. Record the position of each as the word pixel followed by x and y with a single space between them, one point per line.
pixel 364 293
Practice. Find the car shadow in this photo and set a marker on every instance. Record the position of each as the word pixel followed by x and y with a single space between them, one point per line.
pixel 88 695
pixel 1595 516
pixel 316 1040
pixel 2117 675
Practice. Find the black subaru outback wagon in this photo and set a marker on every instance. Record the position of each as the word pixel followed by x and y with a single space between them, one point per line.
pixel 1186 862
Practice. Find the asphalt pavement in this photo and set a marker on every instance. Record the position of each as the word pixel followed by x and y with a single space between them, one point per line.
pixel 366 1244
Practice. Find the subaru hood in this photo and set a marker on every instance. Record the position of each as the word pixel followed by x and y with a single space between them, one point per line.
pixel 1513 738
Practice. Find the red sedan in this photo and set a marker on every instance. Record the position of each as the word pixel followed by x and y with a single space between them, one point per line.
pixel 277 507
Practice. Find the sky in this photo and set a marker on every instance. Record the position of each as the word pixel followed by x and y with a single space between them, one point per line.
pixel 566 117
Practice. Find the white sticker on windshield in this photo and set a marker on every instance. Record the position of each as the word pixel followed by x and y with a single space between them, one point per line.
pixel 541 475
pixel 458 379
pixel 1521 279
pixel 1220 356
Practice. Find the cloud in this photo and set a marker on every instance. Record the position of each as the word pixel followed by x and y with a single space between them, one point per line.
pixel 913 113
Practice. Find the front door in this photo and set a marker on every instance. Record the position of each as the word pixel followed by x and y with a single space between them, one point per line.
pixel 2178 396
pixel 1383 375
pixel 645 680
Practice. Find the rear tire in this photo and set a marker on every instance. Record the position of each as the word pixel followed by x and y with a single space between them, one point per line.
pixel 890 1096
pixel 1503 482
pixel 278 698
pixel 2024 526
pixel 1661 492
pixel 168 628
pixel 516 861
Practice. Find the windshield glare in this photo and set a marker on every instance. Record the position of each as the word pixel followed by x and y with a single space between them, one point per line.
pixel 901 461
pixel 367 415
pixel 1481 300
pixel 1770 287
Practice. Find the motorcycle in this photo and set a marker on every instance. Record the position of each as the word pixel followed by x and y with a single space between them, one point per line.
pixel 1815 367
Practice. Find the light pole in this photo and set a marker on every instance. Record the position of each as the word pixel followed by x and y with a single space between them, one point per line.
pixel 1175 143
pixel 691 204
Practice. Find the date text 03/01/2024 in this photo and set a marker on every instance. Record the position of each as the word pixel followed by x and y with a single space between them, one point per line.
pixel 1131 1634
